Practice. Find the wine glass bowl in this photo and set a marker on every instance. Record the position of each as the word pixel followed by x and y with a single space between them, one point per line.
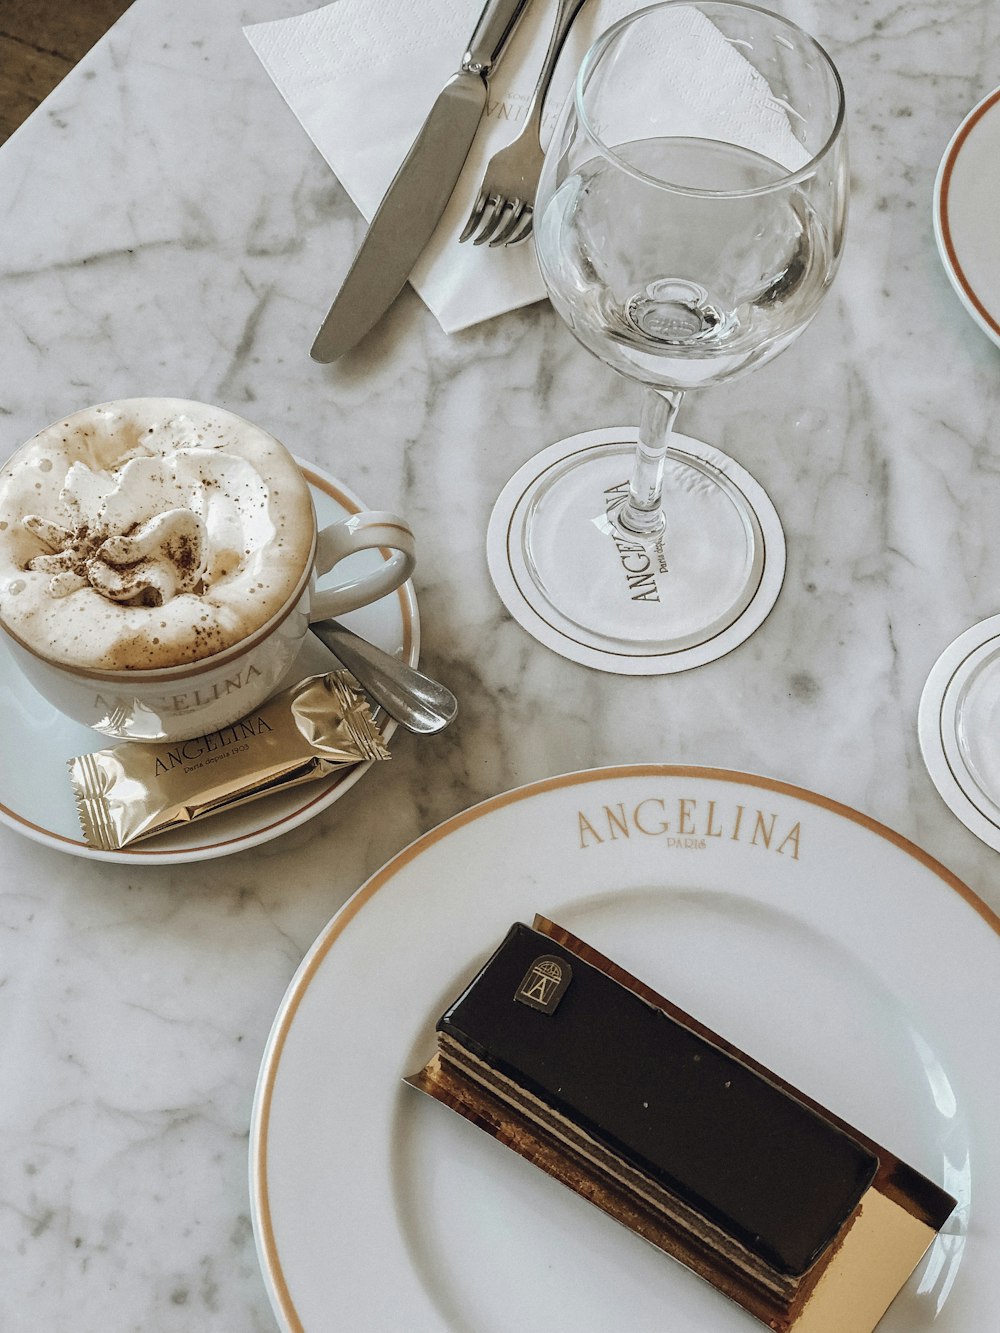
pixel 689 285
pixel 689 220
pixel 693 199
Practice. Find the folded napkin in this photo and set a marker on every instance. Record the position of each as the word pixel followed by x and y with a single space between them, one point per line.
pixel 361 75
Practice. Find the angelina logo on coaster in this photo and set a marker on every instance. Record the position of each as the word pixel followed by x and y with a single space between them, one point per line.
pixel 687 824
pixel 640 563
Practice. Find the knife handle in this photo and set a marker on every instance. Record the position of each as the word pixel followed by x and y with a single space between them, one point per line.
pixel 496 23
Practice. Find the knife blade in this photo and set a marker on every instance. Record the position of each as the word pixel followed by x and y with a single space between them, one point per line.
pixel 420 190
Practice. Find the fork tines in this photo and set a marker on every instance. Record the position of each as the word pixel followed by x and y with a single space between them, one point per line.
pixel 497 220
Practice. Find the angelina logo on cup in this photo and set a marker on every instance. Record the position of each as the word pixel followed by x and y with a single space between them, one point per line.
pixel 158 565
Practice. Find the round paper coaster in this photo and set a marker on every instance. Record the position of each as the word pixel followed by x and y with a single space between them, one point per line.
pixel 510 564
pixel 959 729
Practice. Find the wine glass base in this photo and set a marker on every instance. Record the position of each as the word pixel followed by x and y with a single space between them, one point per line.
pixel 580 586
pixel 959 729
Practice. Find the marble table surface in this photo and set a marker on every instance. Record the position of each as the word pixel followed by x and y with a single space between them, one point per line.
pixel 167 228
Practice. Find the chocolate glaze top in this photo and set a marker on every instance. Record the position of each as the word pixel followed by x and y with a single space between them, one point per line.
pixel 753 1159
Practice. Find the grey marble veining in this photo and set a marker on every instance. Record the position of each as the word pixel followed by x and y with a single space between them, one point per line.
pixel 166 228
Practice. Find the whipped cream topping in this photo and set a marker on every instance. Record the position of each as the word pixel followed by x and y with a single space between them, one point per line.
pixel 163 557
pixel 149 533
pixel 147 564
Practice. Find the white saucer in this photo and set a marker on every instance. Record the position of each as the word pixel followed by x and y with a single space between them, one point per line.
pixel 35 796
pixel 959 711
pixel 511 565
pixel 965 213
pixel 830 948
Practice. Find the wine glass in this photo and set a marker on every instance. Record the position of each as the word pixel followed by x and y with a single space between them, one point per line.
pixel 688 222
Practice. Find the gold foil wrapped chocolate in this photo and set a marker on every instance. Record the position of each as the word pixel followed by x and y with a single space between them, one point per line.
pixel 308 731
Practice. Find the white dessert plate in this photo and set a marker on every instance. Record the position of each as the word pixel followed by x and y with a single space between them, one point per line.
pixel 965 207
pixel 35 795
pixel 829 947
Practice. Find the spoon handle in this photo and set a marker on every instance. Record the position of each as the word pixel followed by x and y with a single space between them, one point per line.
pixel 416 701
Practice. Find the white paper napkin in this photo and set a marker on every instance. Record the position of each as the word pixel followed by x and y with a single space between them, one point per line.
pixel 361 75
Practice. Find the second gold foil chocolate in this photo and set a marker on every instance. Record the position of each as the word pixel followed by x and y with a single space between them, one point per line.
pixel 134 790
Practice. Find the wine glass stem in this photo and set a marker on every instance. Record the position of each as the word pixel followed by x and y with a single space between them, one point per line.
pixel 642 515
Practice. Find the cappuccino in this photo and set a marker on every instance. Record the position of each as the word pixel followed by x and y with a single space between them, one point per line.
pixel 148 533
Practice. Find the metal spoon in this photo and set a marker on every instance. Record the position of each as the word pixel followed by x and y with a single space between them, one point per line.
pixel 416 701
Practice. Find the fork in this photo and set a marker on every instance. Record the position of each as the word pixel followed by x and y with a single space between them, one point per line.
pixel 502 213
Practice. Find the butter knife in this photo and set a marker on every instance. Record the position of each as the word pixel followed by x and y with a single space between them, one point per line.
pixel 420 190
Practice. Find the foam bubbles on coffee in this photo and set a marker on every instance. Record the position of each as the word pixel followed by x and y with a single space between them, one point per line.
pixel 148 533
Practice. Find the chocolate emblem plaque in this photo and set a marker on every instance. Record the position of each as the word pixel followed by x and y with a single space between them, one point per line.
pixel 545 983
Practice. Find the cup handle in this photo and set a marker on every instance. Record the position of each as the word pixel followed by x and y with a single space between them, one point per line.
pixel 362 532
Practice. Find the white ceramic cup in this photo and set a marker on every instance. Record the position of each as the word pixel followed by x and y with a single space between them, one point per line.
pixel 197 698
